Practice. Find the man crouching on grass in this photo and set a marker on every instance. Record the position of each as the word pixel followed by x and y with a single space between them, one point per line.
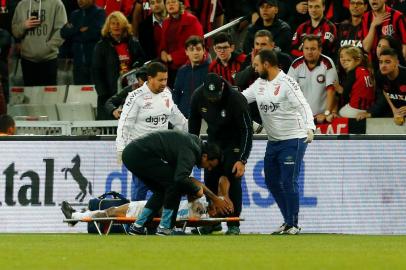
pixel 164 160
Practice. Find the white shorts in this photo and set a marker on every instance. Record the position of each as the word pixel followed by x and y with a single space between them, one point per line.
pixel 196 209
pixel 135 209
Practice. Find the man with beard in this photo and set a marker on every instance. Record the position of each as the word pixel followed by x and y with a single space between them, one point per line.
pixel 288 121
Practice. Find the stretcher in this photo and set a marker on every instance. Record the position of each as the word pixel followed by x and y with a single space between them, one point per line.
pixel 103 225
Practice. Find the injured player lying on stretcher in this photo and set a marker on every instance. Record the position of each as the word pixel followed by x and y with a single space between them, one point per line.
pixel 198 208
pixel 193 208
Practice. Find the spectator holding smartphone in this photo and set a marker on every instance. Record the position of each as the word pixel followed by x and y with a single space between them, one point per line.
pixel 37 24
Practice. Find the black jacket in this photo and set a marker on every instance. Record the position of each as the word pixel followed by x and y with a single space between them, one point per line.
pixel 83 42
pixel 146 37
pixel 281 32
pixel 106 70
pixel 229 122
pixel 118 99
pixel 247 75
pixel 182 151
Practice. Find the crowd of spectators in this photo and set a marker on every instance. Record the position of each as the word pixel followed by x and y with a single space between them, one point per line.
pixel 332 48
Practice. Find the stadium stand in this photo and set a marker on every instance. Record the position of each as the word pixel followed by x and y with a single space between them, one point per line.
pixel 82 94
pixel 35 110
pixel 32 126
pixel 75 111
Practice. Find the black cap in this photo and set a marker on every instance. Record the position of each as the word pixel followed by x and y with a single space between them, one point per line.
pixel 213 86
pixel 269 2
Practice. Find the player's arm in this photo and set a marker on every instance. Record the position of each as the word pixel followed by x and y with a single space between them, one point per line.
pixel 398 114
pixel 249 93
pixel 297 99
pixel 223 189
pixel 130 107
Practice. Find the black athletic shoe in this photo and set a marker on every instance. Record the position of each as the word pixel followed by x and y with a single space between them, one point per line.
pixel 135 230
pixel 67 211
pixel 166 232
pixel 151 230
pixel 280 229
pixel 207 229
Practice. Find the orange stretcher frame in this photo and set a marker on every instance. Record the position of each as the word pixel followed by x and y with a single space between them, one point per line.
pixel 180 223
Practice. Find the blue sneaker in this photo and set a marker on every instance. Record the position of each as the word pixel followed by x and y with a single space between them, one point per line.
pixel 137 230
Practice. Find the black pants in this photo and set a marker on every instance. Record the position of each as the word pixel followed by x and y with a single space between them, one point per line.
pixel 157 175
pixel 211 180
pixel 39 74
pixel 82 74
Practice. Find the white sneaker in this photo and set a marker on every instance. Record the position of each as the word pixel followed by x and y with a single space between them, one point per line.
pixel 291 230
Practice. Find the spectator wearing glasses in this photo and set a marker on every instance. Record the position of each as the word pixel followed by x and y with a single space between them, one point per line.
pixel 227 62
pixel 350 32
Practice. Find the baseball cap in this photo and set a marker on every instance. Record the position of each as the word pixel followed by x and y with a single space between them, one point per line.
pixel 269 2
pixel 213 86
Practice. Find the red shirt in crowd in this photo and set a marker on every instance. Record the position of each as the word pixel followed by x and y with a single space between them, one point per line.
pixel 326 30
pixel 395 26
pixel 233 66
pixel 361 90
pixel 123 56
pixel 125 6
pixel 206 11
pixel 174 34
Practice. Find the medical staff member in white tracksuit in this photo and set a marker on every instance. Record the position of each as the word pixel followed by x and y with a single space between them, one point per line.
pixel 145 110
pixel 288 121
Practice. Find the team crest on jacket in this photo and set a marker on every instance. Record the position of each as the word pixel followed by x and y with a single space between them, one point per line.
pixel 147 105
pixel 321 78
pixel 276 92
pixel 223 113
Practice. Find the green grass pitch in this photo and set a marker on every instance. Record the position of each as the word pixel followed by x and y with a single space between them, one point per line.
pixel 307 251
